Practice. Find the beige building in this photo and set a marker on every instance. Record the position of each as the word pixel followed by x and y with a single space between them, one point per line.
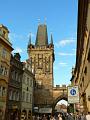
pixel 14 87
pixel 81 73
pixel 5 55
pixel 42 58
pixel 27 90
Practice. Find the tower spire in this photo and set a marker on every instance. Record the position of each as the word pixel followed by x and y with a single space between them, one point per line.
pixel 51 39
pixel 29 43
pixel 42 37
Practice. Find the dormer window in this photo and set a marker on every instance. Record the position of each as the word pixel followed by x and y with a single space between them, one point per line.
pixel 4 33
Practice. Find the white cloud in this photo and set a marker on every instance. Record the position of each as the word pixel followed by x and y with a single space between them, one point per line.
pixel 66 54
pixel 17 50
pixel 14 36
pixel 65 42
pixel 63 64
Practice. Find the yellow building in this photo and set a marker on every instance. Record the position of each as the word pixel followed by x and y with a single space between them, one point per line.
pixel 81 73
pixel 5 54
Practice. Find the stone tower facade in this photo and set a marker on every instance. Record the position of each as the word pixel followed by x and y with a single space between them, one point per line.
pixel 42 58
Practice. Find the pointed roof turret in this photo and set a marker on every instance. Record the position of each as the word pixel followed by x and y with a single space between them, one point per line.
pixel 42 37
pixel 29 43
pixel 51 39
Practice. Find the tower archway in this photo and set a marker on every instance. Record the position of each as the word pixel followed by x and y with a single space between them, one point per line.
pixel 61 97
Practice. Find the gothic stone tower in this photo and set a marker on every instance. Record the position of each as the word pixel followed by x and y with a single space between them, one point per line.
pixel 42 58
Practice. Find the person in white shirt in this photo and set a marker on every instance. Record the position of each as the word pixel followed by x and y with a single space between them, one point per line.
pixel 60 117
pixel 88 116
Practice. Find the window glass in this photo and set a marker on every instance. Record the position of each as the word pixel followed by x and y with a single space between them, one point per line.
pixel 3 91
pixel 10 95
pixel 4 53
pixel 30 98
pixel 23 96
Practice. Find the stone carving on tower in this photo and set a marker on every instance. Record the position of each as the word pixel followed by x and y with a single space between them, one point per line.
pixel 42 58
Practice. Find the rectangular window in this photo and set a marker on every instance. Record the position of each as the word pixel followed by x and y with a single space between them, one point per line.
pixel 16 76
pixel 27 97
pixel 30 98
pixel 10 95
pixel 6 71
pixel 27 81
pixel 30 82
pixel 17 96
pixel 2 70
pixel 3 91
pixel 4 53
pixel 23 96
pixel 4 33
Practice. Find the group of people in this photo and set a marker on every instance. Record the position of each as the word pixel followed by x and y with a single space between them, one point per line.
pixel 63 116
pixel 82 116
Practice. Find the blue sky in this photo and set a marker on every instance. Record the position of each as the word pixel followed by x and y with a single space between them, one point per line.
pixel 22 17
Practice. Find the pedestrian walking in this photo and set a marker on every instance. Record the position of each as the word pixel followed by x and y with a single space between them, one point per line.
pixel 44 117
pixel 52 118
pixel 60 117
pixel 83 117
pixel 70 117
pixel 88 116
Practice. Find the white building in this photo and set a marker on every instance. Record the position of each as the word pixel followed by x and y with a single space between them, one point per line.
pixel 27 89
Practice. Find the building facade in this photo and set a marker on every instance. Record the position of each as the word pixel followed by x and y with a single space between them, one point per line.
pixel 27 90
pixel 5 55
pixel 81 73
pixel 14 88
pixel 42 58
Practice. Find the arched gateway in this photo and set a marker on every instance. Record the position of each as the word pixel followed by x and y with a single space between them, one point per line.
pixel 42 58
pixel 59 93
